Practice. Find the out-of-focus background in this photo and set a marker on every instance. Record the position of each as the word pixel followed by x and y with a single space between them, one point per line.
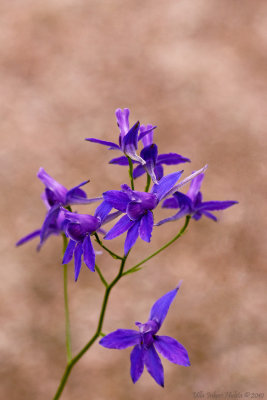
pixel 197 70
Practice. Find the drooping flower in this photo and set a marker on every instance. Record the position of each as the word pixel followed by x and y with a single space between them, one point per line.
pixel 79 228
pixel 146 343
pixel 55 193
pixel 54 197
pixel 138 207
pixel 192 204
pixel 154 161
pixel 128 139
pixel 53 227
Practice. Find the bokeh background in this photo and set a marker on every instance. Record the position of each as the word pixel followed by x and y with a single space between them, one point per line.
pixel 196 69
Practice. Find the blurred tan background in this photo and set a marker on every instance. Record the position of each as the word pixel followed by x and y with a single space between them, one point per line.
pixel 196 69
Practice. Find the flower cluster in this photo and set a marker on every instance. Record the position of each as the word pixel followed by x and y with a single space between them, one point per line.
pixel 136 212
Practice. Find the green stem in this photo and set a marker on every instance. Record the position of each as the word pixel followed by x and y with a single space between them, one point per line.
pixel 66 303
pixel 103 280
pixel 131 172
pixel 98 332
pixel 148 181
pixel 136 267
pixel 114 255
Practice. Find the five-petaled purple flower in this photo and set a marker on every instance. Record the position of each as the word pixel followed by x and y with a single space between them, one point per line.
pixel 79 228
pixel 54 196
pixel 138 207
pixel 154 161
pixel 146 342
pixel 192 204
pixel 128 139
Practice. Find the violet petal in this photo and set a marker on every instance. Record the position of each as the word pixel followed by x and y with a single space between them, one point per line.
pixel 146 226
pixel 161 307
pixel 137 362
pixel 120 339
pixel 154 365
pixel 172 350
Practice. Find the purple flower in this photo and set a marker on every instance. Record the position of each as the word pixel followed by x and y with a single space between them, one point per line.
pixel 79 227
pixel 55 196
pixel 146 343
pixel 138 207
pixel 154 161
pixel 55 193
pixel 192 204
pixel 128 139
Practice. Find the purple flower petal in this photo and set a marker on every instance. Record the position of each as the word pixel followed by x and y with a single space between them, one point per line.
pixel 146 134
pixel 110 217
pixel 154 365
pixel 166 184
pixel 183 201
pixel 111 145
pixel 120 339
pixel 135 210
pixel 197 215
pixel 181 213
pixel 78 196
pixel 69 252
pixel 172 350
pixel 130 142
pixel 80 225
pixel 188 179
pixel 138 171
pixel 119 161
pixel 103 210
pixel 59 190
pixel 88 253
pixel 210 215
pixel 123 121
pixel 77 260
pixel 162 305
pixel 131 237
pixel 137 362
pixel 149 154
pixel 146 226
pixel 146 130
pixel 216 205
pixel 170 203
pixel 195 186
pixel 28 237
pixel 159 171
pixel 50 218
pixel 131 138
pixel 172 159
pixel 119 228
pixel 117 199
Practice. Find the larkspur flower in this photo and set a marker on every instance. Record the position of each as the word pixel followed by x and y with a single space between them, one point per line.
pixel 146 343
pixel 138 207
pixel 128 139
pixel 55 196
pixel 154 161
pixel 79 228
pixel 192 204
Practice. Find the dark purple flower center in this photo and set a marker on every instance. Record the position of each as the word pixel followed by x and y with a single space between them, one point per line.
pixel 147 332
pixel 78 230
pixel 137 208
pixel 53 198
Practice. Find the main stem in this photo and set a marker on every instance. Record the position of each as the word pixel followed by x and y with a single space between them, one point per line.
pixel 97 333
pixel 66 303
